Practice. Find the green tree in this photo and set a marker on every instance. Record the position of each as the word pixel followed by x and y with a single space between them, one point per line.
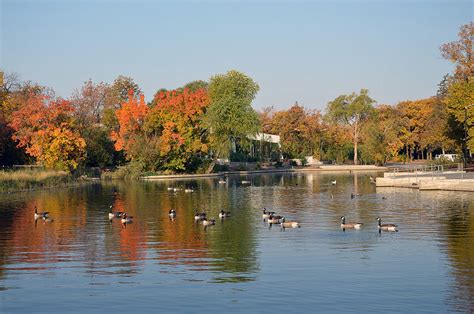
pixel 352 110
pixel 459 97
pixel 230 117
pixel 100 150
pixel 117 94
pixel 458 92
pixel 196 85
pixel 435 133
pixel 120 88
pixel 382 135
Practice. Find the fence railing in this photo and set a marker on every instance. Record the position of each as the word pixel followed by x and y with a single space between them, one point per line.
pixel 452 170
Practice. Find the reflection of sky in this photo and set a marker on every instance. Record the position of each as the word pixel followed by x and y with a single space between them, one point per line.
pixel 239 263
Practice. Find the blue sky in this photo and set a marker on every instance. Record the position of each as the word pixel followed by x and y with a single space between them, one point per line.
pixel 309 51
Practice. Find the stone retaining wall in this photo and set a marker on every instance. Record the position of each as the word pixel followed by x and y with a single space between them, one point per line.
pixel 449 185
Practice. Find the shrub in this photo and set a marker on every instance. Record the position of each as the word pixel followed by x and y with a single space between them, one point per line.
pixel 33 179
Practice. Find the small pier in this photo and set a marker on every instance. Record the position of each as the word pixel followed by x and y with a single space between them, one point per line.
pixel 434 177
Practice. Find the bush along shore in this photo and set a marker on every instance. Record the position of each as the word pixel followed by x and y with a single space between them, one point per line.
pixel 27 180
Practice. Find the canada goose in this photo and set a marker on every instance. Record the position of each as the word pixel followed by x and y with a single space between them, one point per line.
pixel 172 213
pixel 113 215
pixel 199 216
pixel 386 227
pixel 350 225
pixel 126 219
pixel 354 195
pixel 206 222
pixel 289 224
pixel 266 214
pixel 41 214
pixel 188 190
pixel 224 214
pixel 274 219
pixel 334 182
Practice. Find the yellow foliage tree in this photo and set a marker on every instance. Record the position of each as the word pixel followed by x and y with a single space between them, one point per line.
pixel 46 129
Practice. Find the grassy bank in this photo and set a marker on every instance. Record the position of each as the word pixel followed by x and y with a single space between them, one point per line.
pixel 34 179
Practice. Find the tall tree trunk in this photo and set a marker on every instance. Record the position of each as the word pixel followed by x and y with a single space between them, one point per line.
pixel 210 169
pixel 356 161
pixel 356 140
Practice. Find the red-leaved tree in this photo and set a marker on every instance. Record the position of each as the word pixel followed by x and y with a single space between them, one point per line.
pixel 45 127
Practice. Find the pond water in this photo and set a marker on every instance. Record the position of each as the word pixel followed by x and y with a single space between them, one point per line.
pixel 81 262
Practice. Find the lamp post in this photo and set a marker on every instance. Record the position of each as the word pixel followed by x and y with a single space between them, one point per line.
pixel 465 132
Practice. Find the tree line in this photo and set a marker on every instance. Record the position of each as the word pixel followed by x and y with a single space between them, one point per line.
pixel 188 128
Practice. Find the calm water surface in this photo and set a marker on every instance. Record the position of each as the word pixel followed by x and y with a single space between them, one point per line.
pixel 81 262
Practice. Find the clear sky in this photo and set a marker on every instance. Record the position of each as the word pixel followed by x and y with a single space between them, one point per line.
pixel 309 51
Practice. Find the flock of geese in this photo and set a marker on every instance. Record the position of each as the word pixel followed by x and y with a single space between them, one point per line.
pixel 273 219
pixel 358 225
pixel 270 217
pixel 191 190
pixel 124 218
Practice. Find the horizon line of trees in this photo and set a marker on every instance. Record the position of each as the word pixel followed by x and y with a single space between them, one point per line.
pixel 188 128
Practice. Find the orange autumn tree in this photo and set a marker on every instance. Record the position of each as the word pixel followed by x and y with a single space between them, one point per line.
pixel 46 129
pixel 176 120
pixel 418 116
pixel 300 131
pixel 131 117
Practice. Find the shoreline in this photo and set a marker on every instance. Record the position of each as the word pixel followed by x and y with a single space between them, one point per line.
pixel 328 168
pixel 93 180
pixel 72 184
